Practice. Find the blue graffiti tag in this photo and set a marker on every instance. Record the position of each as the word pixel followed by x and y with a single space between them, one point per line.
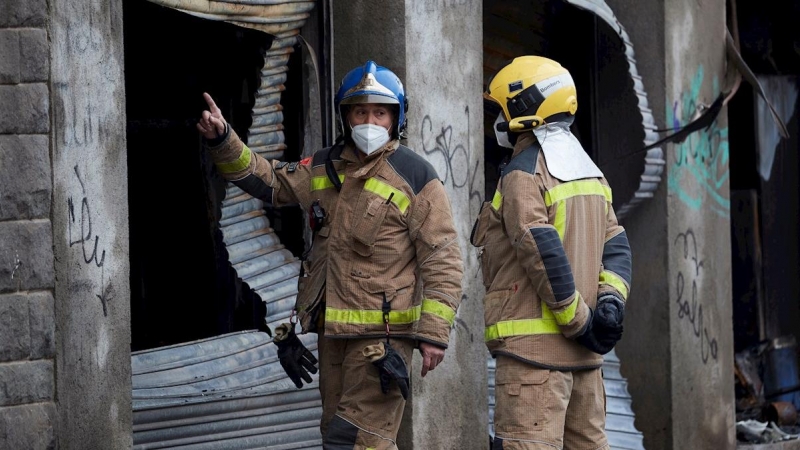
pixel 700 163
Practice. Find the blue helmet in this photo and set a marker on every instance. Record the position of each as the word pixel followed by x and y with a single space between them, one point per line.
pixel 372 83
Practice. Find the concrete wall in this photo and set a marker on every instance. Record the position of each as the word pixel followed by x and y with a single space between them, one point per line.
pixel 90 224
pixel 27 327
pixel 699 231
pixel 644 352
pixel 436 48
pixel 678 350
pixel 444 62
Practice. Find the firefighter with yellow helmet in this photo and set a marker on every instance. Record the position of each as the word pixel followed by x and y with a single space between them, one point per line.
pixel 556 266
pixel 384 273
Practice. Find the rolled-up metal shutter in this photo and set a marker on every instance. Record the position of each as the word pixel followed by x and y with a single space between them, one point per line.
pixel 230 392
pixel 225 392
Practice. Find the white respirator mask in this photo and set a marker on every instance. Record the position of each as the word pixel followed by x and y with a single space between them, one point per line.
pixel 369 137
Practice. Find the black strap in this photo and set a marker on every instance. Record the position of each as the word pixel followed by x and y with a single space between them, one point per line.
pixel 386 308
pixel 330 170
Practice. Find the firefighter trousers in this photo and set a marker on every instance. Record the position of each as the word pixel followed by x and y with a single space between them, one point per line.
pixel 356 414
pixel 542 409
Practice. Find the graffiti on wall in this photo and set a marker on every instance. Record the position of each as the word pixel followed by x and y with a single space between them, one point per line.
pixel 84 57
pixel 690 304
pixel 452 159
pixel 80 235
pixel 700 163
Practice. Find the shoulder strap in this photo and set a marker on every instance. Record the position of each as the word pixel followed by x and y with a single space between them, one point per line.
pixel 330 170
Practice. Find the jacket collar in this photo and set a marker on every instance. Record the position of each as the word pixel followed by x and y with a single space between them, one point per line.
pixel 372 162
pixel 524 141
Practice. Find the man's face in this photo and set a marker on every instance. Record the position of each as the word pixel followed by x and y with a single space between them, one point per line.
pixel 373 113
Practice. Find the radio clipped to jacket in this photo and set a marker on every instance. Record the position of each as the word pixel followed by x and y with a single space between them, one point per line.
pixel 316 216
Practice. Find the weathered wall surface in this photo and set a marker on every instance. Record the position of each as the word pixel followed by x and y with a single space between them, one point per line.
pixel 362 31
pixel 444 60
pixel 644 352
pixel 436 49
pixel 678 348
pixel 27 327
pixel 699 231
pixel 90 225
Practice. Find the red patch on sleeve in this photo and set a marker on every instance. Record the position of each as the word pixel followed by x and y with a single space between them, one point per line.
pixel 306 161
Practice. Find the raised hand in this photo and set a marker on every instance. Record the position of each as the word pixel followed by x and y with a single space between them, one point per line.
pixel 211 124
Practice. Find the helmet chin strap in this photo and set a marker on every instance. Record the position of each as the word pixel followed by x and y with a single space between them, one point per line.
pixel 519 124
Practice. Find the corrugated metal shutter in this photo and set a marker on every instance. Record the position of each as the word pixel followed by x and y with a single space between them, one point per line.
pixel 622 434
pixel 225 392
pixel 654 157
pixel 230 392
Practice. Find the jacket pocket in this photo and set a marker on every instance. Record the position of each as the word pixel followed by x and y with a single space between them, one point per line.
pixel 399 293
pixel 525 399
pixel 494 304
pixel 365 232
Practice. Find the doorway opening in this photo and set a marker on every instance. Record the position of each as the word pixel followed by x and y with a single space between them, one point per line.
pixel 183 286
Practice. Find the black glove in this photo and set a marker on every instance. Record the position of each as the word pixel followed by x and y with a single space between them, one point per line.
pixel 609 314
pixel 390 367
pixel 296 359
pixel 604 328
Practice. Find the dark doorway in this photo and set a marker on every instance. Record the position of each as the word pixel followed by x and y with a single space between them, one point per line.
pixel 182 284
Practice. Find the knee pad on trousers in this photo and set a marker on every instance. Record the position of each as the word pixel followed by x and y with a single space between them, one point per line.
pixel 341 435
pixel 497 443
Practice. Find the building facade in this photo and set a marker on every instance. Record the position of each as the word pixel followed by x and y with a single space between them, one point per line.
pixel 106 200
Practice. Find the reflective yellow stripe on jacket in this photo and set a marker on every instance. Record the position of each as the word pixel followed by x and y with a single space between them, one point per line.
pixel 388 192
pixel 613 280
pixel 564 191
pixel 399 317
pixel 323 182
pixel 372 317
pixel 238 164
pixel 548 324
pixel 521 327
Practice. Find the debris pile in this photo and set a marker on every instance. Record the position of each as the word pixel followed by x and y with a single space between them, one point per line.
pixel 767 392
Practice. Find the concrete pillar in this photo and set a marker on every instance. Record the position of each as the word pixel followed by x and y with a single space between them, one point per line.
pixel 90 224
pixel 436 48
pixel 699 240
pixel 677 352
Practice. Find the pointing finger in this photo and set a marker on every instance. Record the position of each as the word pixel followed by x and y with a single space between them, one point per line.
pixel 211 105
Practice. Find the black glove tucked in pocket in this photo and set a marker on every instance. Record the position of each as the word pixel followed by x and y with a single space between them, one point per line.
pixel 390 366
pixel 297 361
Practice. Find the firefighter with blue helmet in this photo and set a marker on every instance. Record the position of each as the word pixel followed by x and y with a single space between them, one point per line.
pixel 383 275
pixel 556 266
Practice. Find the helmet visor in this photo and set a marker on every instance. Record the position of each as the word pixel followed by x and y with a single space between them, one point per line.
pixel 367 97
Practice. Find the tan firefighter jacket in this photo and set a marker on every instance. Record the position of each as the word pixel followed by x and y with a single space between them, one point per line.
pixel 548 248
pixel 390 221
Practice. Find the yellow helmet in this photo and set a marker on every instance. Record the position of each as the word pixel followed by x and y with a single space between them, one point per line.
pixel 532 90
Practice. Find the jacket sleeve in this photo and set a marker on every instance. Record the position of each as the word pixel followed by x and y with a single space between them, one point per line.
pixel 540 251
pixel 615 275
pixel 438 255
pixel 274 182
